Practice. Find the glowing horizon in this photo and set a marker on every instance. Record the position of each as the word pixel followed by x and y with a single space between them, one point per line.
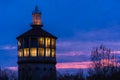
pixel 65 65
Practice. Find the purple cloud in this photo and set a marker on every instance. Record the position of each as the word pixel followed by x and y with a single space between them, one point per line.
pixel 8 47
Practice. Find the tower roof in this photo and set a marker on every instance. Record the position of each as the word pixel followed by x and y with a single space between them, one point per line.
pixel 36 10
pixel 36 25
pixel 36 32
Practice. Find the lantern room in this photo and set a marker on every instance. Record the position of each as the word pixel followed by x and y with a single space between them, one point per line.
pixel 36 17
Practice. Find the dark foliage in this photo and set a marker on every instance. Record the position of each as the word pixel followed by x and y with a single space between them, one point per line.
pixel 77 76
pixel 6 74
pixel 104 65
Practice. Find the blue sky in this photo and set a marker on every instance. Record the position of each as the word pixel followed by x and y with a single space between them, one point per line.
pixel 79 25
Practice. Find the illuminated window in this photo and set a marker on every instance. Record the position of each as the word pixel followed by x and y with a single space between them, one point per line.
pixel 20 53
pixel 36 19
pixel 53 42
pixel 33 51
pixel 40 51
pixel 47 42
pixel 47 52
pixel 26 51
pixel 53 52
pixel 41 41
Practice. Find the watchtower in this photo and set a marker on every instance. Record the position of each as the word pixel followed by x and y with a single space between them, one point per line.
pixel 36 52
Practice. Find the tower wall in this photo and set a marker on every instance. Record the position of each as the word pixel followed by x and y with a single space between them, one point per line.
pixel 37 71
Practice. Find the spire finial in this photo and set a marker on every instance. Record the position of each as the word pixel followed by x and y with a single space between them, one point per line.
pixel 36 10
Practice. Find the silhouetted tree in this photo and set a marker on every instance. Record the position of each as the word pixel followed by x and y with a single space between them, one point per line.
pixel 6 74
pixel 103 65
pixel 78 76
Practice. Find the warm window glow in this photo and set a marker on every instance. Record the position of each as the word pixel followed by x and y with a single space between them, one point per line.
pixel 40 51
pixel 47 52
pixel 53 52
pixel 20 53
pixel 47 42
pixel 33 51
pixel 36 19
pixel 53 42
pixel 26 51
pixel 41 41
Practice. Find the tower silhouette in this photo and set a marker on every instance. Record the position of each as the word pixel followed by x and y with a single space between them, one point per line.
pixel 36 52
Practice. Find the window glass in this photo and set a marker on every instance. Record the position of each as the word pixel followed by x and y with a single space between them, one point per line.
pixel 53 52
pixel 41 41
pixel 47 42
pixel 40 51
pixel 20 52
pixel 33 52
pixel 53 42
pixel 47 52
pixel 26 51
pixel 36 19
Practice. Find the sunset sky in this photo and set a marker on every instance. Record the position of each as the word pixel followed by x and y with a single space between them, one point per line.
pixel 79 25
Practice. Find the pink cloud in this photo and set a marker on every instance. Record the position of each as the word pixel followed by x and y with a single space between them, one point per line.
pixel 73 65
pixel 66 65
pixel 115 52
pixel 14 68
